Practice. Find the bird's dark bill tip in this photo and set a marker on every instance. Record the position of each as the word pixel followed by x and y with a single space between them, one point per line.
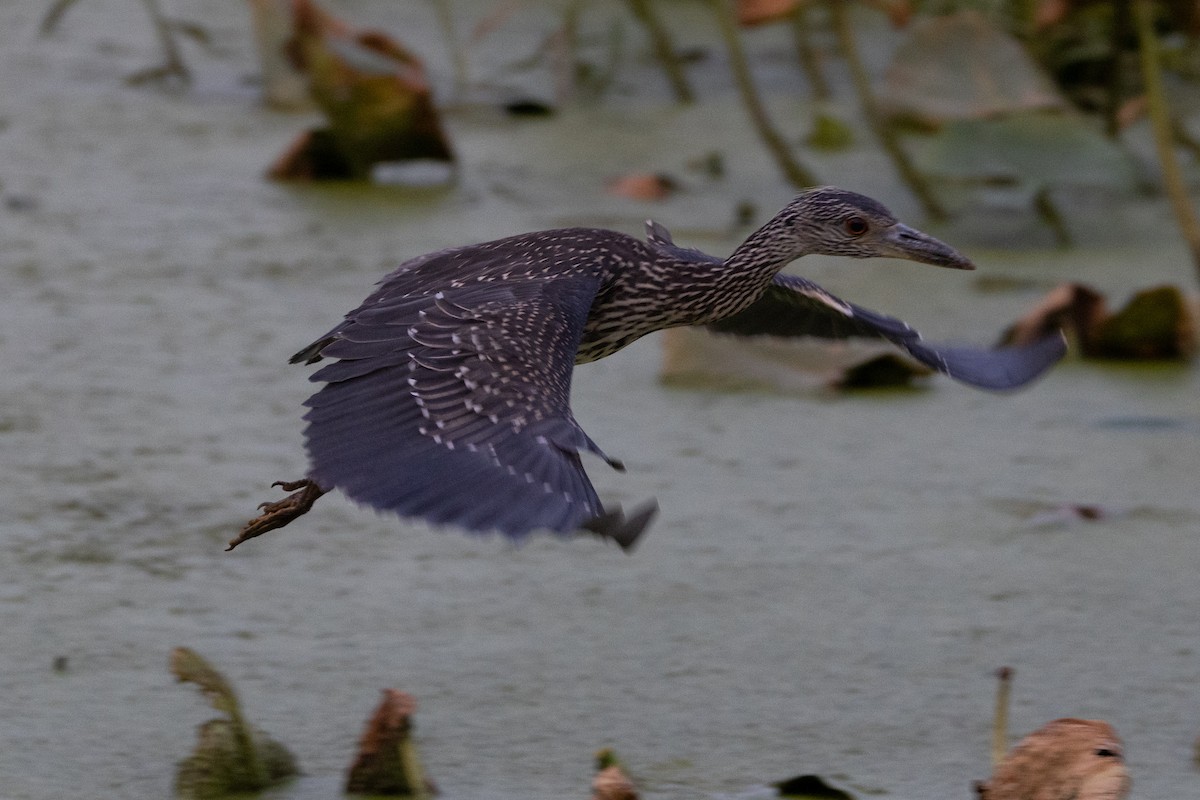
pixel 910 243
pixel 625 531
pixel 940 254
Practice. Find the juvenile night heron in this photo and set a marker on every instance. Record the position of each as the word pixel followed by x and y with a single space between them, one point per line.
pixel 449 399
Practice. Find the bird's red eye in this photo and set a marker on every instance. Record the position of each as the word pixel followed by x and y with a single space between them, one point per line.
pixel 855 226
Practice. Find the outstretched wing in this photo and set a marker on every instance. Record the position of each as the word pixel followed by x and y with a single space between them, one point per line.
pixel 454 407
pixel 795 306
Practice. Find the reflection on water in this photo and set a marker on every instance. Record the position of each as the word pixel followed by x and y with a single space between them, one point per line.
pixel 828 588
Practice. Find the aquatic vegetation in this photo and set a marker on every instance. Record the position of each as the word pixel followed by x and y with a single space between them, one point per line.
pixel 231 756
pixel 375 95
pixel 1157 323
pixel 611 782
pixel 387 763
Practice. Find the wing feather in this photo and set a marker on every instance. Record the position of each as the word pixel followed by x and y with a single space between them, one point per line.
pixel 454 407
pixel 794 306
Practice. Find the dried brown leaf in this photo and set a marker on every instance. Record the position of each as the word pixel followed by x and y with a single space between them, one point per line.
pixel 1067 759
pixel 761 12
pixel 643 186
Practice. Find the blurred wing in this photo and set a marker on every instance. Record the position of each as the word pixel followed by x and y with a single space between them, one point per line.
pixel 454 407
pixel 793 306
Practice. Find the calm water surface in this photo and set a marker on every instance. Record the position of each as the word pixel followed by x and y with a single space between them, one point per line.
pixel 828 588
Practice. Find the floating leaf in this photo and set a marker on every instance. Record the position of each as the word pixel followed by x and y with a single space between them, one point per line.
pixel 962 66
pixel 829 133
pixel 1037 149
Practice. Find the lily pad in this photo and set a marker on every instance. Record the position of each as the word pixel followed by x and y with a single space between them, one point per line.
pixel 962 66
pixel 1036 149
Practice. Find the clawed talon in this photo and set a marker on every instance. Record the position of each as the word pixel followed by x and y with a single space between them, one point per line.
pixel 291 486
pixel 280 512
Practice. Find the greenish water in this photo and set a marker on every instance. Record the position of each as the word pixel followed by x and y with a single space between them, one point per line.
pixel 828 588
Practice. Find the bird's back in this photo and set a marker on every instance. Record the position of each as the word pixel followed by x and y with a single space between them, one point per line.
pixel 639 288
pixel 541 261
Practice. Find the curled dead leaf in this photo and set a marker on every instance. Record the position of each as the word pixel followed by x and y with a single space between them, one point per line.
pixel 1067 759
pixel 387 761
pixel 610 781
pixel 1156 323
pixel 374 93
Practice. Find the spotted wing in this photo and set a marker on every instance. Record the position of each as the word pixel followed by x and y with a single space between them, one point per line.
pixel 793 306
pixel 454 407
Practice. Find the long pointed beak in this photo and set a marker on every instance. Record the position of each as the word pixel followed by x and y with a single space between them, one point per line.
pixel 905 242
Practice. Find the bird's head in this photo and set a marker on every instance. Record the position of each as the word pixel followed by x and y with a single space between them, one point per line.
pixel 831 221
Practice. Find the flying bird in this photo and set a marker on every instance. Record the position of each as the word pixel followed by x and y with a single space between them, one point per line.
pixel 448 395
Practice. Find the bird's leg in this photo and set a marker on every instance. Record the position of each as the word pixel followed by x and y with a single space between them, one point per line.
pixel 280 513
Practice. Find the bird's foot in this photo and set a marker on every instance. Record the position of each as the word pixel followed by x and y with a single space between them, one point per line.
pixel 281 512
pixel 625 531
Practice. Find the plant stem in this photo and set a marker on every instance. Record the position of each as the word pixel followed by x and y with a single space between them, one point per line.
pixel 883 131
pixel 664 50
pixel 1112 102
pixel 809 61
pixel 445 17
pixel 1000 720
pixel 1164 140
pixel 162 26
pixel 796 173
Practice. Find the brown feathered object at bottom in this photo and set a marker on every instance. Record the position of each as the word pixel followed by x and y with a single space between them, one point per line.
pixel 1067 759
